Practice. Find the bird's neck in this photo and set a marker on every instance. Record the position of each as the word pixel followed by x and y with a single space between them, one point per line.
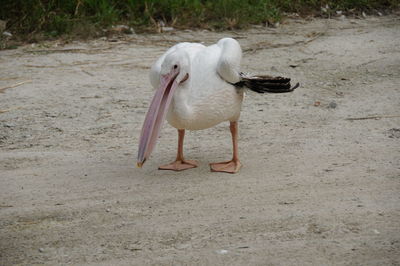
pixel 182 100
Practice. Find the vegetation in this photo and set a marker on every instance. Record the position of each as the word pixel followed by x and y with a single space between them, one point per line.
pixel 86 17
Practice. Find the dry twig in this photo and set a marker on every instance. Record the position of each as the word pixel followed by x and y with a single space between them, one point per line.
pixel 372 117
pixel 7 110
pixel 15 85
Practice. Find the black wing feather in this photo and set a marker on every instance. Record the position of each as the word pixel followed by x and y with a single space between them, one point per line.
pixel 264 83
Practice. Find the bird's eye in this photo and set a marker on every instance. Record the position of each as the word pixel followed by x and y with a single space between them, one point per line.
pixel 175 66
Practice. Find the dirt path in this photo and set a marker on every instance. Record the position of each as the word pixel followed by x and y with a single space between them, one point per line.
pixel 317 187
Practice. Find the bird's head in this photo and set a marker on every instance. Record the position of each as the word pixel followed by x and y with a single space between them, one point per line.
pixel 174 71
pixel 176 65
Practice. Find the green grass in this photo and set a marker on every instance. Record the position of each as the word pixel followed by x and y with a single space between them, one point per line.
pixel 53 18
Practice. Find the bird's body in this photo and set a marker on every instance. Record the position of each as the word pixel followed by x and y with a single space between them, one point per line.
pixel 205 99
pixel 198 87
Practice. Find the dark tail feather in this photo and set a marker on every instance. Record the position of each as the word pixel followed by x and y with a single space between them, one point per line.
pixel 263 84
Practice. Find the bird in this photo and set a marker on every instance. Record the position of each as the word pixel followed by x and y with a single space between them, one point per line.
pixel 198 87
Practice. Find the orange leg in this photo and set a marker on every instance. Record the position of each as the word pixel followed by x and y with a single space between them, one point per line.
pixel 234 165
pixel 180 163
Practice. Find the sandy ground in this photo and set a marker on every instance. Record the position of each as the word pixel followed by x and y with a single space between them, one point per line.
pixel 317 188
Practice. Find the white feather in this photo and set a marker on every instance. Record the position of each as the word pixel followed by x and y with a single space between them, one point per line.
pixel 208 97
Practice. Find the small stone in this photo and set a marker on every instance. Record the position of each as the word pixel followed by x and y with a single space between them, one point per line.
pixel 122 29
pixel 161 23
pixel 9 125
pixel 222 251
pixel 164 29
pixel 41 250
pixel 7 34
pixel 108 210
pixel 332 105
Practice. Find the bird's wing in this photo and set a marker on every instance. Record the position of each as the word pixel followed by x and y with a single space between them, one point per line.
pixel 155 70
pixel 228 66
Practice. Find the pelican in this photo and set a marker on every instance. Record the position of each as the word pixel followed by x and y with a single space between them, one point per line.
pixel 198 87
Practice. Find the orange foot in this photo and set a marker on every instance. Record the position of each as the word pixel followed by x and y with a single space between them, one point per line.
pixel 179 165
pixel 231 167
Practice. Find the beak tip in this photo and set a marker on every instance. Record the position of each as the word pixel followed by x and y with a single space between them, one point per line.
pixel 139 164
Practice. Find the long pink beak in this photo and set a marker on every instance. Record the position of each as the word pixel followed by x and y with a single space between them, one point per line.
pixel 155 116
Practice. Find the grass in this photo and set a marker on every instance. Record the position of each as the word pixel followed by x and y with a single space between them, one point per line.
pixel 52 18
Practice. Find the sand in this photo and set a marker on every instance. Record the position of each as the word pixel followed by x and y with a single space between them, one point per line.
pixel 321 177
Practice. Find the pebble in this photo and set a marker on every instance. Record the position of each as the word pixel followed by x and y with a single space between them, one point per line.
pixel 332 105
pixel 7 34
pixel 222 251
pixel 41 250
pixel 123 29
pixel 164 29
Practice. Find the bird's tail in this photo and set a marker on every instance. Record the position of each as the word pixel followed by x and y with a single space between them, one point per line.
pixel 264 83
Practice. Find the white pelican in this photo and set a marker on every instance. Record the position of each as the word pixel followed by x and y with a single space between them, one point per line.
pixel 199 87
